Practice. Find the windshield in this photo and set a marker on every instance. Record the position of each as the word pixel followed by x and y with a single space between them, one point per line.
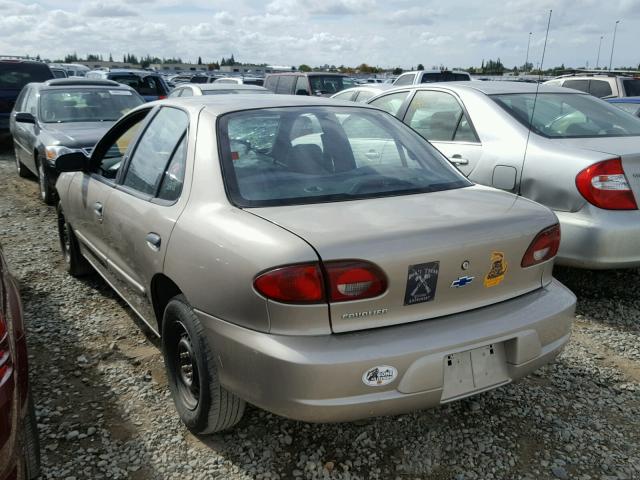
pixel 287 156
pixel 566 115
pixel 632 87
pixel 86 105
pixel 329 84
pixel 632 108
pixel 227 91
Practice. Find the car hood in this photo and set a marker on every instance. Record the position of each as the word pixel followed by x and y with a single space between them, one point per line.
pixel 450 236
pixel 75 134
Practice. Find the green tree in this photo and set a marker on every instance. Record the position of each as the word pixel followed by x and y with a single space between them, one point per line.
pixel 397 71
pixel 420 67
pixel 304 68
pixel 199 60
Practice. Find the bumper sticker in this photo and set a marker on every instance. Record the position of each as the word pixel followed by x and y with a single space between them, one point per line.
pixel 421 283
pixel 380 375
pixel 497 270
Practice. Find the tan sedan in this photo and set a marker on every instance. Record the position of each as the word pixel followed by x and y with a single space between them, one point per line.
pixel 312 257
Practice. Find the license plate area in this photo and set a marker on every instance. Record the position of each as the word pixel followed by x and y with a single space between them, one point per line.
pixel 474 370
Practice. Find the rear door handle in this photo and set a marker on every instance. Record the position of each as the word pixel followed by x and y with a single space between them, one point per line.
pixel 458 159
pixel 97 210
pixel 153 241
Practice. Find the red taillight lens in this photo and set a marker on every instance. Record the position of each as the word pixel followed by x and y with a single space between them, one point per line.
pixel 161 97
pixel 354 280
pixel 347 280
pixel 605 185
pixel 292 284
pixel 544 247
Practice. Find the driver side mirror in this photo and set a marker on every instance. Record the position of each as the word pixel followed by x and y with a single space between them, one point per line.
pixel 25 117
pixel 72 162
pixel 301 91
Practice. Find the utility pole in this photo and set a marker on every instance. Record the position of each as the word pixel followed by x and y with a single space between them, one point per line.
pixel 613 43
pixel 599 47
pixel 526 62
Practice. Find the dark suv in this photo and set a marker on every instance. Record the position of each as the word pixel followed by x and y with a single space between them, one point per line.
pixel 151 86
pixel 15 74
pixel 312 83
pixel 62 115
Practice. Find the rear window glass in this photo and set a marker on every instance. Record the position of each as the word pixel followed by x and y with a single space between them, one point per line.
pixel 444 77
pixel 600 88
pixel 566 115
pixel 86 105
pixel 297 155
pixel 328 84
pixel 632 87
pixel 14 75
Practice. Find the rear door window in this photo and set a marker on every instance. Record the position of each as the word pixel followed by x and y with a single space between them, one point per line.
pixel 438 116
pixel 405 80
pixel 155 148
pixel 285 85
pixel 582 85
pixel 391 103
pixel 600 88
pixel 631 87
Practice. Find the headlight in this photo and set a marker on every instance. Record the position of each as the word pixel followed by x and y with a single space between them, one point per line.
pixel 55 151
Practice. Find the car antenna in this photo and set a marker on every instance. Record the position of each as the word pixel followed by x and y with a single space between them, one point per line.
pixel 535 99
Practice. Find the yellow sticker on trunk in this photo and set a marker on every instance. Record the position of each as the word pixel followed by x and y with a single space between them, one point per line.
pixel 497 270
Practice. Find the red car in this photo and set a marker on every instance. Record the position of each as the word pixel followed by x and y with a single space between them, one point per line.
pixel 19 453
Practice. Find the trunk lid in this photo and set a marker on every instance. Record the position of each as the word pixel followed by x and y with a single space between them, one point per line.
pixel 423 244
pixel 627 148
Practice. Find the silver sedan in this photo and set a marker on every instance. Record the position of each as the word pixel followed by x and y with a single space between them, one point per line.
pixel 199 89
pixel 581 156
pixel 362 93
pixel 267 239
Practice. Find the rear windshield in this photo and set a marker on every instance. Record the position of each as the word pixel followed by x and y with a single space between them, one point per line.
pixel 329 84
pixel 632 87
pixel 15 75
pixel 149 85
pixel 566 115
pixel 297 155
pixel 226 91
pixel 444 77
pixel 86 105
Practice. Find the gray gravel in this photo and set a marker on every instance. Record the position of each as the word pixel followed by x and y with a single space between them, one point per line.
pixel 104 409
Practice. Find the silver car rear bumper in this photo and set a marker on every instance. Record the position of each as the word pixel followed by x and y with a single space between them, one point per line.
pixel 599 239
pixel 319 378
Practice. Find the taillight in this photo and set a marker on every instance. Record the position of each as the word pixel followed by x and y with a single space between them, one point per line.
pixel 5 354
pixel 305 283
pixel 292 284
pixel 544 247
pixel 161 97
pixel 354 280
pixel 605 185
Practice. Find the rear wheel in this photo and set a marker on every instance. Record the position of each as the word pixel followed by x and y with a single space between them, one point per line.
pixel 47 192
pixel 22 170
pixel 203 404
pixel 76 264
pixel 31 443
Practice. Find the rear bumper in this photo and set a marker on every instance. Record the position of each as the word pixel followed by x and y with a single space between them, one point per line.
pixel 599 239
pixel 319 378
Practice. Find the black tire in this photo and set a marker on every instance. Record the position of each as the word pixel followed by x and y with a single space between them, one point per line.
pixel 47 192
pixel 22 170
pixel 203 405
pixel 31 443
pixel 76 264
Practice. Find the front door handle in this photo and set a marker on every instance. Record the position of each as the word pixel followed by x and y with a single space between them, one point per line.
pixel 153 241
pixel 97 210
pixel 458 159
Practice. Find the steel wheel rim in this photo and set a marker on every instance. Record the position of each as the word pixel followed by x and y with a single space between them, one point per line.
pixel 186 370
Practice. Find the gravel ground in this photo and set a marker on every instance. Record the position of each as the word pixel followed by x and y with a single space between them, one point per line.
pixel 104 409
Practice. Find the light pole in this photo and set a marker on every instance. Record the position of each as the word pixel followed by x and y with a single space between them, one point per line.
pixel 526 62
pixel 599 47
pixel 613 43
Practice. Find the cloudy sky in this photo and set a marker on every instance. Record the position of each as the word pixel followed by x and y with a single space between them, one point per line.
pixel 378 32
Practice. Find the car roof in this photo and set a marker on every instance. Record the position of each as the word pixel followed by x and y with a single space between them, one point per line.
pixel 222 86
pixel 491 87
pixel 221 104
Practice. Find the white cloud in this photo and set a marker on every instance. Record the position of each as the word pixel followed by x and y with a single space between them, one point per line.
pixel 108 9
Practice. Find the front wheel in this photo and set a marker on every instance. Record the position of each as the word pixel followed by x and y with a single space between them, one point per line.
pixel 47 192
pixel 203 405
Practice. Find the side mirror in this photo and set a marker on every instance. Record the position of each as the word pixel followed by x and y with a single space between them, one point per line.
pixel 72 162
pixel 302 92
pixel 25 117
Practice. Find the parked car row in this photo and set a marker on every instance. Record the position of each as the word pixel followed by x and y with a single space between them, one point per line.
pixel 267 239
